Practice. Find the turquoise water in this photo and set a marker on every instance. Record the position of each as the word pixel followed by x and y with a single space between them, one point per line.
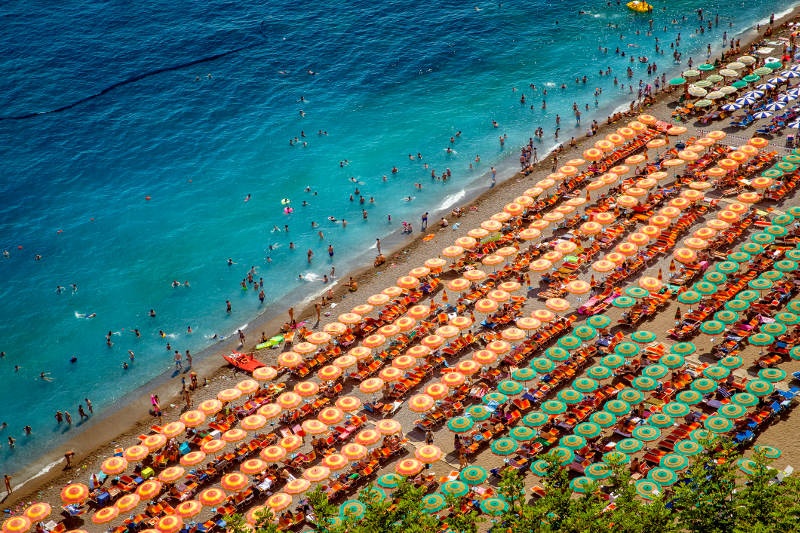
pixel 194 105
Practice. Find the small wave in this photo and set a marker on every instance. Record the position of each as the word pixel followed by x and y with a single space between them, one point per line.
pixel 451 199
pixel 310 276
pixel 47 468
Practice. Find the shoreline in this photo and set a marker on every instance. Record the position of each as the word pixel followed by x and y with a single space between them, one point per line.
pixel 116 423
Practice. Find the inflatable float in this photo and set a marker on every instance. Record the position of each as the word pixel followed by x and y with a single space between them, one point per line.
pixel 639 6
pixel 274 341
pixel 243 361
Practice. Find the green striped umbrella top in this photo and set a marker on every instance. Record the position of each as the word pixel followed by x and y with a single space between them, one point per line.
pixel 612 361
pixel 646 433
pixel 570 342
pixel 687 447
pixel 523 374
pixel 582 484
pixel 631 395
pixel 504 446
pixel 656 371
pixel 794 353
pixel 784 219
pixel 762 238
pixel 540 467
pixel 712 327
pixel 689 297
pixel 760 339
pixel 648 489
pixel 495 396
pixel 570 396
pixel 776 230
pixel 689 397
pixel 716 277
pixel 770 452
pixel 785 317
pixel 557 353
pixel 473 475
pixel 460 424
pixel 617 407
pixel 623 302
pixel 644 383
pixel 704 385
pixel 433 503
pixel 637 292
pixel 535 419
pixel 773 328
pixel 588 430
pixel 718 424
pixel 726 316
pixel 573 442
pixel 748 295
pixel 745 398
pixel 598 321
pixel 599 372
pixel 563 455
pixel 792 255
pixel 553 407
pixel 584 332
pixel 597 471
pixel 603 418
pixel 731 361
pixel 478 412
pixel 701 435
pixel 772 374
pixel 759 284
pixel 786 265
pixel 732 410
pixel 510 387
pixel 629 445
pixel 705 288
pixel 673 461
pixel 676 408
pixel 716 372
pixel 455 488
pixel 793 306
pixel 494 506
pixel 626 349
pixel 542 365
pixel 662 476
pixel 615 457
pixel 390 480
pixel 752 248
pixel 585 384
pixel 675 360
pixel 660 420
pixel 352 508
pixel 737 305
pixel 739 257
pixel 727 267
pixel 643 336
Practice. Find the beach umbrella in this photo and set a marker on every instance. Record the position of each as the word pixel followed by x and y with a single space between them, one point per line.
pixel 569 396
pixel 584 332
pixel 689 397
pixel 542 365
pixel 617 407
pixel 504 446
pixel 718 424
pixel 390 480
pixel 523 374
pixel 701 434
pixel 656 371
pixel 428 453
pixel 572 442
pixel 588 430
pixel 494 397
pixel 626 349
pixel 662 476
pixel 629 445
pixel 672 360
pixel 726 316
pixel 726 267
pixel 613 360
pixel 648 489
pixel 673 461
pixel 732 410
pixel 793 306
pixel 559 353
pixel 585 384
pixel 209 407
pixel 599 372
pixel 772 374
pixel 704 287
pixel 745 399
pixel 623 302
pixel 615 457
pixel 643 336
pixel 598 321
pixel 704 385
pixel 731 362
pixel 770 452
pixel 687 447
pixel 433 503
pixel 603 419
pixel 786 265
pixel 582 484
pixel 737 305
pixel 682 348
pixel 748 466
pixel 570 342
pixel 21 524
pixel 354 509
pixel 660 420
pixel 510 387
pixel 460 424
pixel 646 433
pixel 675 409
pixel 712 327
pixel 522 433
pixel 773 328
pixel 760 339
pixel 644 383
pixel 535 419
pixel 478 412
pixel 494 506
pixel 563 456
pixel 553 407
pixel 597 471
pixel 689 297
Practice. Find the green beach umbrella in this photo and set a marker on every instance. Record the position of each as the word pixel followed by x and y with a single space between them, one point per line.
pixel 644 383
pixel 701 435
pixel 785 219
pixel 778 231
pixel 460 424
pixel 373 495
pixel 510 387
pixel 689 397
pixel 643 336
pixel 772 374
pixel 542 365
pixel 761 71
pixel 745 398
pixel 662 476
pixel 535 419
pixel 646 433
pixel 705 67
pixel 504 446
pixel 704 385
pixel 785 317
pixel 759 284
pixel 773 328
pixel 648 489
pixel 523 374
pixel 656 371
pixel 615 457
pixel 712 327
pixel 737 305
pixel 716 372
pixel 540 467
pixel 715 277
pixel 791 158
pixel 570 342
pixel 553 407
pixel 626 349
pixel 585 384
pixel 677 81
pixel 557 353
pixel 681 348
pixel 748 466
pixel 770 452
pixel 390 480
pixel 751 78
pixel 599 372
pixel 795 209
pixel 497 397
pixel 718 424
pixel 494 506
pixel 792 255
pixel 573 442
pixel 637 292
pixel 603 418
pixel 598 321
pixel 660 420
pixel 612 361
pixel 739 257
pixel 582 484
pixel 433 503
pixel 473 475
pixel 455 488
pixel 629 445
pixel 705 288
pixel 690 297
pixel 673 461
pixel 794 353
pixel 762 238
pixel 630 395
pixel 726 316
pixel 569 396
pixel 584 332
pixel 691 73
pixel 748 295
pixel 672 360
pixel 597 471
pixel 522 433
pixel 588 430
pixel 478 412
pixel 705 102
pixel 732 410
pixel 731 361
pixel 752 248
pixel 773 173
pixel 617 407
pixel 773 64
pixel 760 339
pixel 687 447
pixel 623 302
pixel 786 265
pixel 785 166
pixel 793 306
pixel 353 509
pixel 727 267
pixel 563 455
pixel 676 409
pixel 739 84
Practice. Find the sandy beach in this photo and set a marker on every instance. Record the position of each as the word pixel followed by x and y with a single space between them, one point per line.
pixel 120 428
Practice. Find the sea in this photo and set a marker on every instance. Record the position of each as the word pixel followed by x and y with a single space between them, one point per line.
pixel 154 153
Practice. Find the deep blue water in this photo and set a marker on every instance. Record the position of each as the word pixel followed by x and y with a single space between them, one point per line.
pixel 390 79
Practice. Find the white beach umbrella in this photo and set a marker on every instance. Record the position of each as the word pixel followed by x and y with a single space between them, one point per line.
pixel 698 92
pixel 715 95
pixel 794 125
pixel 774 106
pixel 766 86
pixel 746 100
pixel 754 94
pixel 762 114
pixel 789 74
pixel 732 107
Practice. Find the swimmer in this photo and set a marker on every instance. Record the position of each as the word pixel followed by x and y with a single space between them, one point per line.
pixel 332 219
pixel 45 376
pixel 247 198
pixel 73 359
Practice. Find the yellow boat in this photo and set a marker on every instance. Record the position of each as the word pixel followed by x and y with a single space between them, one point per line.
pixel 639 6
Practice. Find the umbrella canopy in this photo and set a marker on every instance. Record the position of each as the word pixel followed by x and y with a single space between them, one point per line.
pixel 687 447
pixel 646 433
pixel 603 418
pixel 689 397
pixel 504 446
pixel 588 430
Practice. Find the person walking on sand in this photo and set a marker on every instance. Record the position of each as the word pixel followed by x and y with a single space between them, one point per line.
pixel 89 405
pixel 291 316
pixel 9 490
pixel 378 245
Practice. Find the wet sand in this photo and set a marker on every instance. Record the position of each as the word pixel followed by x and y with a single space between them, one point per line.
pixel 120 427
